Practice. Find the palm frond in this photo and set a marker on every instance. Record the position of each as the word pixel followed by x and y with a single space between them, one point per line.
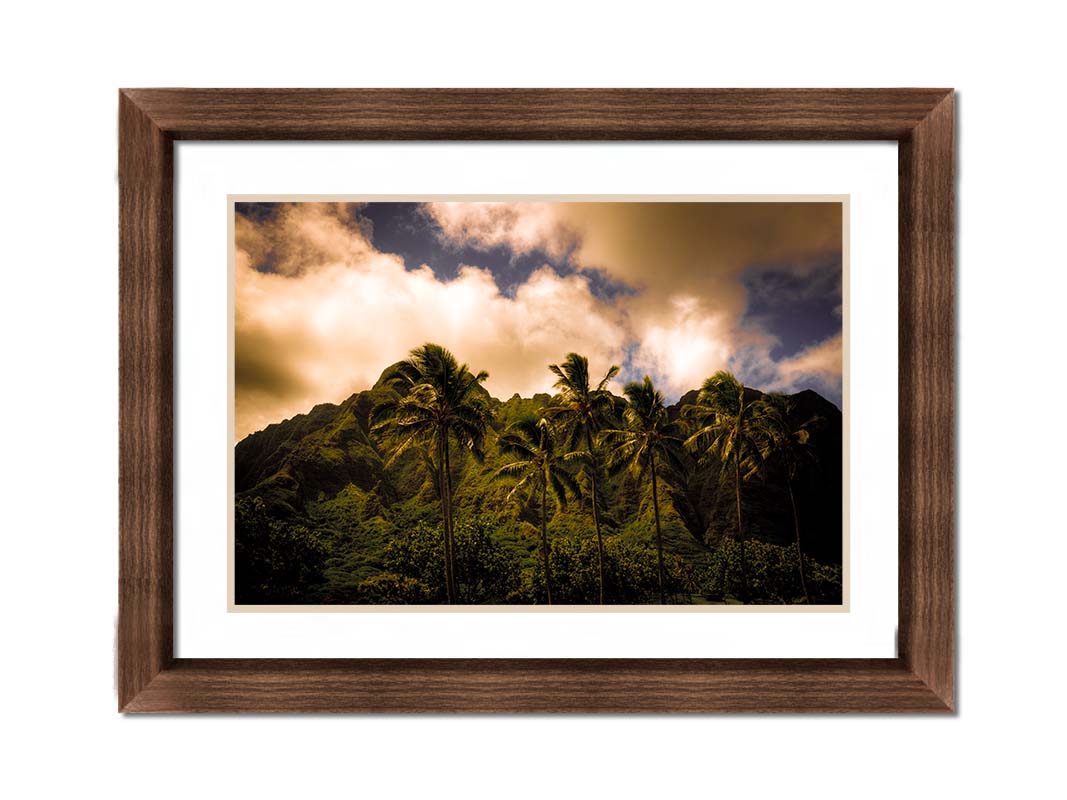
pixel 613 370
pixel 518 487
pixel 564 483
pixel 418 437
pixel 514 469
pixel 581 456
pixel 512 444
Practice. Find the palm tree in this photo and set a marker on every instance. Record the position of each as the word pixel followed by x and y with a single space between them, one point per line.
pixel 583 412
pixel 650 442
pixel 539 465
pixel 437 403
pixel 790 445
pixel 728 425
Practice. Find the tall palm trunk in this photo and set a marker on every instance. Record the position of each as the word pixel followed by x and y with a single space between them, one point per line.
pixel 596 513
pixel 796 526
pixel 659 534
pixel 737 488
pixel 740 528
pixel 544 541
pixel 446 502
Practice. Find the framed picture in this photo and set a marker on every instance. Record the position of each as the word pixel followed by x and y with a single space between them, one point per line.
pixel 525 400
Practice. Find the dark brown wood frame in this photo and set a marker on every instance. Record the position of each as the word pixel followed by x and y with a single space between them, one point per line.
pixel 920 679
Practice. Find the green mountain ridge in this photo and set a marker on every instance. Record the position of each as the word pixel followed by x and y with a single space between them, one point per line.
pixel 327 473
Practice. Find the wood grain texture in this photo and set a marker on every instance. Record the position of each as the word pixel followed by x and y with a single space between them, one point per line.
pixel 146 477
pixel 537 686
pixel 921 679
pixel 546 114
pixel 926 422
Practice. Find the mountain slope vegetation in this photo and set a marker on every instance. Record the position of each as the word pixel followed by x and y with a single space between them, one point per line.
pixel 331 510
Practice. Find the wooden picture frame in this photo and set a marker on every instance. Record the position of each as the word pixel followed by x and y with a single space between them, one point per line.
pixel 919 679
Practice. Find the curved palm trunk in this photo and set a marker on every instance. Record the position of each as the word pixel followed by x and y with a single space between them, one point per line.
pixel 740 528
pixel 659 534
pixel 596 513
pixel 544 543
pixel 796 526
pixel 446 501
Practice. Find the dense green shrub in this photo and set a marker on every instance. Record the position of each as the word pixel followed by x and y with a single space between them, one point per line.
pixel 630 573
pixel 390 589
pixel 773 575
pixel 486 570
pixel 276 561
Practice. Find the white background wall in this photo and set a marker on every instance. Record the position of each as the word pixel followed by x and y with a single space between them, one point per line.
pixel 61 67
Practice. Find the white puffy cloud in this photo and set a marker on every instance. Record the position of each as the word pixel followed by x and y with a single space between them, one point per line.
pixel 521 227
pixel 304 237
pixel 818 366
pixel 338 312
pixel 680 342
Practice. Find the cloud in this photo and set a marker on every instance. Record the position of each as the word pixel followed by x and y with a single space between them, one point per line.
pixel 320 312
pixel 667 246
pixel 817 367
pixel 521 227
pixel 683 259
pixel 335 312
pixel 681 344
pixel 303 237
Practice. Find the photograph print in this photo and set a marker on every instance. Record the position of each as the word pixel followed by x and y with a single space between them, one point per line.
pixel 531 402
